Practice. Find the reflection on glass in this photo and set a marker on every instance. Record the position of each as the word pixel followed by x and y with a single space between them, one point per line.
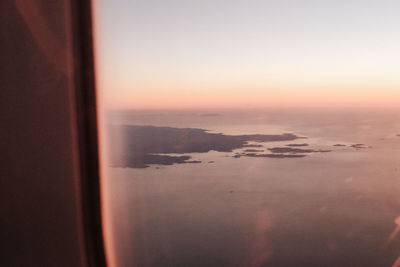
pixel 250 133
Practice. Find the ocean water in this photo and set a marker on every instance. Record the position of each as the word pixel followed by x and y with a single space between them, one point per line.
pixel 339 208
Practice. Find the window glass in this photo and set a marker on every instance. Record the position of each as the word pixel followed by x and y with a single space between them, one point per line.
pixel 250 133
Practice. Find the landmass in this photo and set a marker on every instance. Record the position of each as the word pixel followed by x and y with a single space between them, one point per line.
pixel 295 150
pixel 358 146
pixel 253 150
pixel 142 161
pixel 136 146
pixel 275 155
pixel 252 145
pixel 297 145
pixel 191 161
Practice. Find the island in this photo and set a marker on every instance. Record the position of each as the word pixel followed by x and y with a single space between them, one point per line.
pixel 271 155
pixel 252 145
pixel 297 145
pixel 358 146
pixel 137 146
pixel 295 150
pixel 253 150
pixel 339 145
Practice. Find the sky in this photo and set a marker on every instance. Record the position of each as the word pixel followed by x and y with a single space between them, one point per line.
pixel 153 54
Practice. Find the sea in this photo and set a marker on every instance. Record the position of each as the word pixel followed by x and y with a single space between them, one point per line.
pixel 339 208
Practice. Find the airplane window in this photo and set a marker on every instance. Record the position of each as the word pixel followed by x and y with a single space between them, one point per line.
pixel 249 133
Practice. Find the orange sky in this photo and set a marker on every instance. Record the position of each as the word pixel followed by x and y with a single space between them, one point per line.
pixel 211 54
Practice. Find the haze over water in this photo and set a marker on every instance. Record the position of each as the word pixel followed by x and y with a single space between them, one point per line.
pixel 325 209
